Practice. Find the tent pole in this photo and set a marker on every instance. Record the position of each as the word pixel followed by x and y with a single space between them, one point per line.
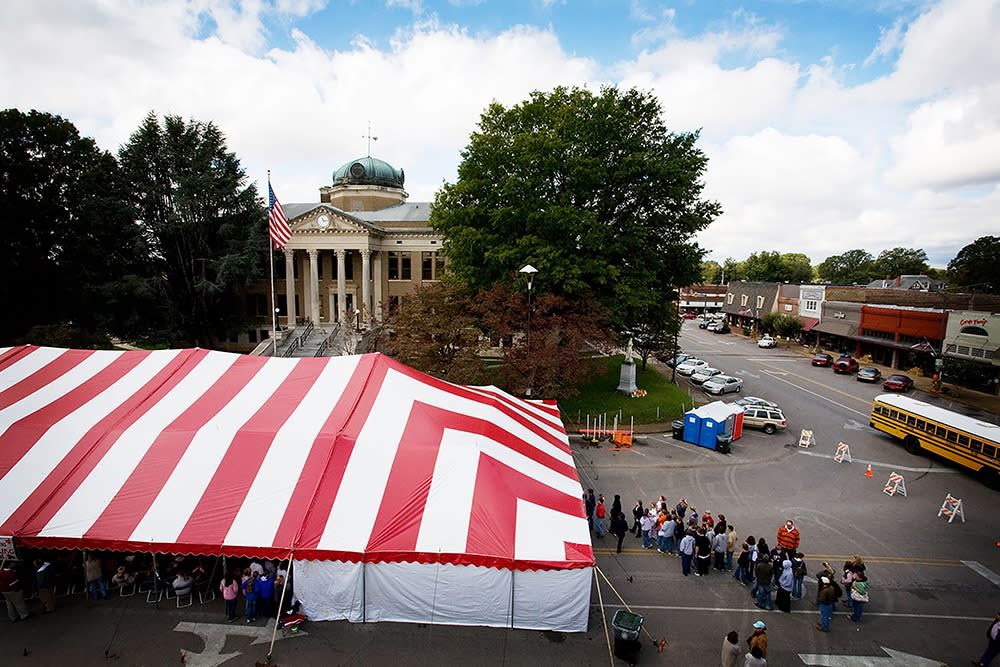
pixel 512 571
pixel 281 605
pixel 364 592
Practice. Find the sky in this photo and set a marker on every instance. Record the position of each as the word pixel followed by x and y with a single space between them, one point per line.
pixel 829 124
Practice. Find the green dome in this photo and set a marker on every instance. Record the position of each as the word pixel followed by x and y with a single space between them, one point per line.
pixel 368 171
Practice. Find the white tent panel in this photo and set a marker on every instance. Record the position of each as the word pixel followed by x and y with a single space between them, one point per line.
pixel 552 599
pixel 445 594
pixel 329 590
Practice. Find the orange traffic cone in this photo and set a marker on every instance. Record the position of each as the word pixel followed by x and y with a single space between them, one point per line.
pixel 868 473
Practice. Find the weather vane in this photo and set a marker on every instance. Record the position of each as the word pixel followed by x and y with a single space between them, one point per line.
pixel 370 138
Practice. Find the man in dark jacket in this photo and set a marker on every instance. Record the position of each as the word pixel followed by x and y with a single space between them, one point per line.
pixel 763 572
pixel 590 503
pixel 10 586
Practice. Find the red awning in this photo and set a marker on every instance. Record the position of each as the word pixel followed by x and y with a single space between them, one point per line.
pixel 808 323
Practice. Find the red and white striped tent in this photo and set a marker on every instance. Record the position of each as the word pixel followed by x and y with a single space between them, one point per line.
pixel 398 496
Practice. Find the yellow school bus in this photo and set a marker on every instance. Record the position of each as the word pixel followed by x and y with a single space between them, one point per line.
pixel 921 426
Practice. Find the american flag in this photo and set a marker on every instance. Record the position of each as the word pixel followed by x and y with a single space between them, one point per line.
pixel 277 224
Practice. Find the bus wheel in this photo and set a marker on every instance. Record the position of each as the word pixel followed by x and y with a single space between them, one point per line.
pixel 912 444
pixel 989 477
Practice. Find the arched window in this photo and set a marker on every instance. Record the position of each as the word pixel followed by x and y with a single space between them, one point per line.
pixel 974 331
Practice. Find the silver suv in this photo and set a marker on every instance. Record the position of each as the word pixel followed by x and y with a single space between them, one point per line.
pixel 767 419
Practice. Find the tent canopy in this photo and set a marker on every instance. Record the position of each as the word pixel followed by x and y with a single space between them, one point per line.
pixel 354 459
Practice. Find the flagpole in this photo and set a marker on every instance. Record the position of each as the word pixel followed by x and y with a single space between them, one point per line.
pixel 270 256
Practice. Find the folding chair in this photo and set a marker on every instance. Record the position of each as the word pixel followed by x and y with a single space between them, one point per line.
pixel 206 593
pixel 127 590
pixel 185 600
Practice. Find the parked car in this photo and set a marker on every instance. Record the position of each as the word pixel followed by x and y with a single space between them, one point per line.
pixel 721 328
pixel 822 359
pixel 868 374
pixel 689 316
pixel 846 365
pixel 767 341
pixel 748 401
pixel 712 326
pixel 703 324
pixel 722 384
pixel 690 365
pixel 679 359
pixel 898 383
pixel 704 373
pixel 768 420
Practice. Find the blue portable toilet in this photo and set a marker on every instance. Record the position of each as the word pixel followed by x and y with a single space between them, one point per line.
pixel 692 427
pixel 703 426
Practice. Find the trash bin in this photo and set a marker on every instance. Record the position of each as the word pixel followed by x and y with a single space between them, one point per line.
pixel 627 626
pixel 722 443
pixel 678 429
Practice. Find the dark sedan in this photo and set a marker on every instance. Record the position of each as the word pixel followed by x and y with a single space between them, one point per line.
pixel 868 374
pixel 898 383
pixel 822 359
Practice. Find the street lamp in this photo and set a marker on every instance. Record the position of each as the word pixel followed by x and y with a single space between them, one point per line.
pixel 529 271
pixel 357 320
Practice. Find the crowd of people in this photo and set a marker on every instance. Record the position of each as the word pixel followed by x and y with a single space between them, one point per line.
pixel 706 543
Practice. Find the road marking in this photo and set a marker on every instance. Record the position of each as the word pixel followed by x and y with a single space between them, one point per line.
pixel 982 570
pixel 880 464
pixel 214 637
pixel 820 396
pixel 854 425
pixel 894 659
pixel 755 611
pixel 773 373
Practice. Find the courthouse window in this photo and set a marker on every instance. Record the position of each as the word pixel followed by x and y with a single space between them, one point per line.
pixel 399 265
pixel 427 266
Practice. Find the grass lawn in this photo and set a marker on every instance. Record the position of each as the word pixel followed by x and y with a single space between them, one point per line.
pixel 663 402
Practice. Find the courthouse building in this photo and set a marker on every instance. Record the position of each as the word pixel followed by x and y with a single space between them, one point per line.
pixel 354 254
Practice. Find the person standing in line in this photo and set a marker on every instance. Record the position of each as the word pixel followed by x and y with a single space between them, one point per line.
pixel 742 566
pixel 590 503
pixel 665 536
pixel 96 587
pixel 783 598
pixel 265 593
pixel 827 598
pixel 763 572
pixel 681 507
pixel 731 540
pixel 720 524
pixel 616 506
pixel 250 597
pixel 638 512
pixel 992 643
pixel 43 584
pixel 859 596
pixel 619 526
pixel 646 523
pixel 686 550
pixel 799 574
pixel 827 572
pixel 694 519
pixel 13 595
pixel 758 640
pixel 755 658
pixel 230 589
pixel 703 552
pixel 731 649
pixel 599 514
pixel 752 563
pixel 719 547
pixel 847 580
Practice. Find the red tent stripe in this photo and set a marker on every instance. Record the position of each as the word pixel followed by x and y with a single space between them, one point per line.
pixel 25 433
pixel 134 499
pixel 221 501
pixel 351 413
pixel 67 476
pixel 54 367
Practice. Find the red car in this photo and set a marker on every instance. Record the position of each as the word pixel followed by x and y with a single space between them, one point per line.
pixel 845 365
pixel 898 383
pixel 822 359
pixel 689 316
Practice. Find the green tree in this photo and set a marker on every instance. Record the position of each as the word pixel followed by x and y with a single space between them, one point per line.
pixel 591 189
pixel 763 266
pixel 711 272
pixel 901 262
pixel 854 267
pixel 203 225
pixel 796 268
pixel 733 270
pixel 977 264
pixel 656 332
pixel 68 244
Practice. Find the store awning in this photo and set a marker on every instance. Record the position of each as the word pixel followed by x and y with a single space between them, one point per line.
pixel 808 323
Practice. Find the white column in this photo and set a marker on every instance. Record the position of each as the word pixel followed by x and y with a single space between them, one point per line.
pixel 314 286
pixel 290 287
pixel 366 286
pixel 378 285
pixel 341 253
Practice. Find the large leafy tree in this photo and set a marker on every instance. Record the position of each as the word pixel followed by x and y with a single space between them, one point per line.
pixel 769 265
pixel 977 266
pixel 850 268
pixel 203 224
pixel 896 262
pixel 591 189
pixel 68 246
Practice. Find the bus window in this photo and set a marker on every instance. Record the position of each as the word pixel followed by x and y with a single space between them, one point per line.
pixel 940 432
pixel 963 440
pixel 990 451
pixel 977 446
pixel 893 414
pixel 911 420
pixel 952 436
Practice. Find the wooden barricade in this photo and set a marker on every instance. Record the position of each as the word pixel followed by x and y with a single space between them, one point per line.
pixel 806 439
pixel 952 507
pixel 895 486
pixel 843 453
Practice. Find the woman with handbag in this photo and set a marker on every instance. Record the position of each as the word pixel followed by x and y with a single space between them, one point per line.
pixel 859 596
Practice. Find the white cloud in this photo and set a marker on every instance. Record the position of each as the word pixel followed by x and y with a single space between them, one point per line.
pixel 889 41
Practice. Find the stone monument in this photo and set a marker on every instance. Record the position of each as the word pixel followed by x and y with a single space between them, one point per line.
pixel 626 383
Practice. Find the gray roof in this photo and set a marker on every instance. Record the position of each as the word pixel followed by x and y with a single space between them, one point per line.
pixel 293 211
pixel 418 211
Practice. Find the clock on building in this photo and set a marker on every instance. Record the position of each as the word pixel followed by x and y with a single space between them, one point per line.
pixel 323 221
